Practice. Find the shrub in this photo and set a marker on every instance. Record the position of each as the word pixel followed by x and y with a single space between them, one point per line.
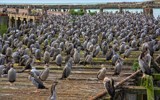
pixel 135 65
pixel 3 29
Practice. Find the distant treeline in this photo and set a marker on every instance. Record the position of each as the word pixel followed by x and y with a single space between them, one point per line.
pixel 80 12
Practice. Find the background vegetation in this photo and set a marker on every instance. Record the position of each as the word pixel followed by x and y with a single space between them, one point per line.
pixel 80 12
pixel 3 29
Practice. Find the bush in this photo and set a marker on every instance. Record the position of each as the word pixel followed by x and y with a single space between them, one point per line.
pixel 79 12
pixel 135 65
pixel 72 12
pixel 3 29
pixel 92 13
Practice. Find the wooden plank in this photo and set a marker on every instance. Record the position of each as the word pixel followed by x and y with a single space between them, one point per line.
pixel 140 90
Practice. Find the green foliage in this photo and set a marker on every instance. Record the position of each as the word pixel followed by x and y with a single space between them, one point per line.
pixel 92 13
pixel 135 65
pixel 72 12
pixel 3 29
pixel 147 82
pixel 80 12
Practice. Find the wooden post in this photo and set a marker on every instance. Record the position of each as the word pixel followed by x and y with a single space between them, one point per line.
pixel 120 10
pixel 29 10
pixel 10 22
pixel 147 10
pixel 17 10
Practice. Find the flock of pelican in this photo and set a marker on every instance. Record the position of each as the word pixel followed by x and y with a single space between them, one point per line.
pixel 70 38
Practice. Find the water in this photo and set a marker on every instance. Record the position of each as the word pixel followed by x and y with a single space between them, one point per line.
pixel 53 2
pixel 156 12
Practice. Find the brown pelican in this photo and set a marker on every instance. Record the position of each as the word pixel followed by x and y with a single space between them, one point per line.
pixel 109 86
pixel 11 74
pixel 46 57
pixel 59 59
pixel 76 56
pixel 127 52
pixel 143 64
pixel 45 73
pixel 101 73
pixel 1 69
pixel 36 81
pixel 67 69
pixel 118 67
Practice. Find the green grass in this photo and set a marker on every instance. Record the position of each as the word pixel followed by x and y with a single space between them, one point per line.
pixel 3 28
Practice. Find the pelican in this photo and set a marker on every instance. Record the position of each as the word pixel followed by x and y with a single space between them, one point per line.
pixel 118 67
pixel 46 57
pixel 109 86
pixel 114 58
pixel 59 59
pixel 53 95
pixel 76 56
pixel 127 52
pixel 36 81
pixel 1 69
pixel 101 73
pixel 67 69
pixel 12 74
pixel 143 65
pixel 45 73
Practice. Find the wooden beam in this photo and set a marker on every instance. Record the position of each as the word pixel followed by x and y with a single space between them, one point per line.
pixel 101 94
pixel 139 90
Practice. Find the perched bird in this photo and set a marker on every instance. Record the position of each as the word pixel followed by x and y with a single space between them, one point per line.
pixel 59 59
pixel 114 58
pixel 109 53
pixel 101 73
pixel 8 54
pixel 53 95
pixel 12 74
pixel 118 67
pixel 23 60
pixel 28 64
pixel 46 57
pixel 16 57
pixel 67 69
pixel 6 69
pixel 1 69
pixel 38 54
pixel 127 52
pixel 88 59
pixel 35 71
pixel 36 81
pixel 76 56
pixel 143 65
pixel 45 73
pixel 147 58
pixel 109 86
